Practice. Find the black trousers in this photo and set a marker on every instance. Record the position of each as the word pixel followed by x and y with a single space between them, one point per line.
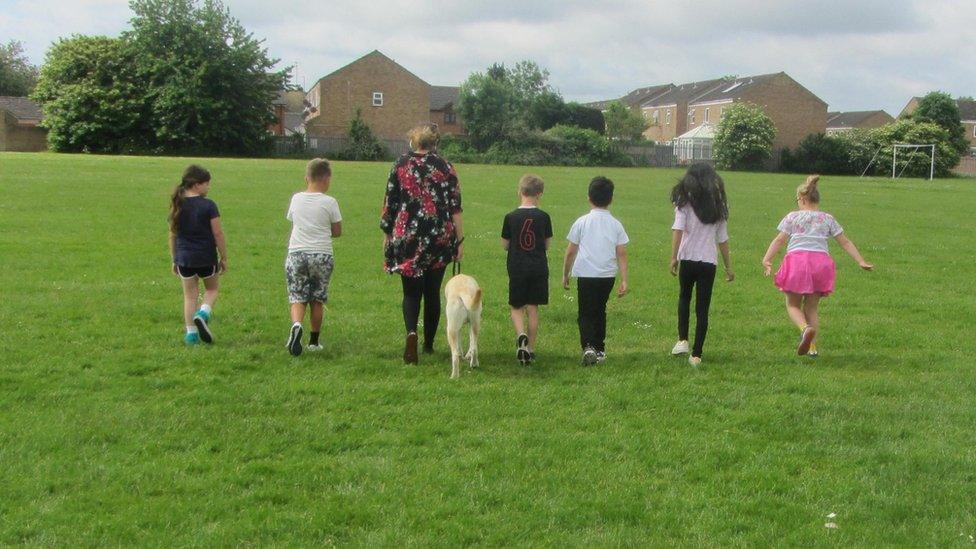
pixel 592 295
pixel 690 275
pixel 427 288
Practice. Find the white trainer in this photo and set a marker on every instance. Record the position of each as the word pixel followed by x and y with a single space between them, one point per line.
pixel 680 348
pixel 314 348
pixel 694 360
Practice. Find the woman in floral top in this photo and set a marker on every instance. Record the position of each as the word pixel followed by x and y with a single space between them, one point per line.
pixel 422 221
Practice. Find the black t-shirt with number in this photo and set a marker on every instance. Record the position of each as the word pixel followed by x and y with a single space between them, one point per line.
pixel 527 229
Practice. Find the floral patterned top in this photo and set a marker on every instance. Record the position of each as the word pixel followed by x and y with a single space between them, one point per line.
pixel 809 230
pixel 422 195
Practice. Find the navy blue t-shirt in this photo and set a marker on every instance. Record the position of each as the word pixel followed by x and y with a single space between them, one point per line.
pixel 527 229
pixel 195 243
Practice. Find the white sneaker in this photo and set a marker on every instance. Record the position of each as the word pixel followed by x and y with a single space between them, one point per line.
pixel 694 360
pixel 680 348
pixel 314 348
pixel 601 357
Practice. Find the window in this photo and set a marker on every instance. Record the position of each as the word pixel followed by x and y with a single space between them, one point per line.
pixel 667 119
pixel 706 114
pixel 691 116
pixel 974 130
pixel 450 118
pixel 656 117
pixel 377 99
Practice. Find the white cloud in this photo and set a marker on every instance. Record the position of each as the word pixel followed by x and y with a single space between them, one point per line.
pixel 855 54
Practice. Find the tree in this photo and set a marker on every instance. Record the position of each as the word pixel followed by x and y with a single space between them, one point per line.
pixel 546 110
pixel 488 105
pixel 17 76
pixel 585 117
pixel 941 109
pixel 91 98
pixel 363 144
pixel 623 123
pixel 209 83
pixel 744 138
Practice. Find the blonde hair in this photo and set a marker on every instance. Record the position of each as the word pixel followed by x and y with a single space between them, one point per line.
pixel 424 137
pixel 808 190
pixel 531 185
pixel 318 169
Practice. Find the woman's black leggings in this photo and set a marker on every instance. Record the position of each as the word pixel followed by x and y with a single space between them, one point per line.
pixel 428 288
pixel 690 274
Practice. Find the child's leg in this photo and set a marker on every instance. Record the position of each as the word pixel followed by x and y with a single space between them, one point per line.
pixel 211 286
pixel 686 283
pixel 703 300
pixel 191 294
pixel 605 286
pixel 794 308
pixel 533 313
pixel 518 320
pixel 297 312
pixel 318 311
pixel 810 305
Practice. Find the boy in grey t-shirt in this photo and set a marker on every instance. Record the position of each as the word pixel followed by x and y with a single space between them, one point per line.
pixel 315 221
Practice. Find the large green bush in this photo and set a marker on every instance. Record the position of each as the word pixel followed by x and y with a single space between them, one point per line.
pixel 744 138
pixel 910 163
pixel 817 153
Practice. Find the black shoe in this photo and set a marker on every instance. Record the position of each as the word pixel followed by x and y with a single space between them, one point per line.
pixel 295 340
pixel 428 348
pixel 531 357
pixel 410 349
pixel 522 354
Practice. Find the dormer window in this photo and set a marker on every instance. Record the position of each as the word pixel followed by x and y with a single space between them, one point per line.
pixel 377 99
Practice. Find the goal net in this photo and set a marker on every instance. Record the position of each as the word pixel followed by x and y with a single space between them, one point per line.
pixel 912 154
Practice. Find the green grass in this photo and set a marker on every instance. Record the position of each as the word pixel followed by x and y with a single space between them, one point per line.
pixel 113 433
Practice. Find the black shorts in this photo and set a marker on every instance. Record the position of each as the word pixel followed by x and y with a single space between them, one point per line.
pixel 528 289
pixel 202 272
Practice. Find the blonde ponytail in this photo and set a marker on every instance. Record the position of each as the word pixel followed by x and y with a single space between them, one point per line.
pixel 809 191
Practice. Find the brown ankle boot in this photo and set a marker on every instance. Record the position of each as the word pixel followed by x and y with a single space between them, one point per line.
pixel 410 351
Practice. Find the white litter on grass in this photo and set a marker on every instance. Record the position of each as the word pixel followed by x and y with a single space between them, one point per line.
pixel 832 516
pixel 568 297
pixel 642 325
pixel 831 525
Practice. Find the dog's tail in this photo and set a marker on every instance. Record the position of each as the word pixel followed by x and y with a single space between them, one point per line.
pixel 472 302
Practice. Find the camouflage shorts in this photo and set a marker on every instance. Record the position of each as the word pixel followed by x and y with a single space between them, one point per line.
pixel 308 276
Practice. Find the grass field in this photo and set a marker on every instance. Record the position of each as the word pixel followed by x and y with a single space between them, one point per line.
pixel 113 433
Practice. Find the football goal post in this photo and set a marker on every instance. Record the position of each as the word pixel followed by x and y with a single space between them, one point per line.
pixel 915 148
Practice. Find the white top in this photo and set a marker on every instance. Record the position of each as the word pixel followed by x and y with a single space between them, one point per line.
pixel 698 240
pixel 809 230
pixel 312 216
pixel 597 234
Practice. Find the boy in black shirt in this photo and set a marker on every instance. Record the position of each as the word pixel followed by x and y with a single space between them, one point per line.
pixel 526 233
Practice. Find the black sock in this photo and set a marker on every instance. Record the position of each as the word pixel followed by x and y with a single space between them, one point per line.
pixel 314 339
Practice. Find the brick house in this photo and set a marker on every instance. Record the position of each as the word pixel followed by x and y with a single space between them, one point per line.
pixel 19 125
pixel 288 108
pixel 839 122
pixel 391 99
pixel 673 110
pixel 967 115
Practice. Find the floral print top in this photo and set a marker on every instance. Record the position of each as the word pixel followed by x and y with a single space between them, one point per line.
pixel 809 230
pixel 422 195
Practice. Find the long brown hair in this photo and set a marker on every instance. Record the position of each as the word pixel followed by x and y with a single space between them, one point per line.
pixel 704 189
pixel 192 175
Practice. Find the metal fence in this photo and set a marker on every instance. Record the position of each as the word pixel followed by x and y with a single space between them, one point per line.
pixel 666 155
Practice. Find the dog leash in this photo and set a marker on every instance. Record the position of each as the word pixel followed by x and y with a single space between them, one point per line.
pixel 456 268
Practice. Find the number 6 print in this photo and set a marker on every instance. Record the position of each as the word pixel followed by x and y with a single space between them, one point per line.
pixel 526 236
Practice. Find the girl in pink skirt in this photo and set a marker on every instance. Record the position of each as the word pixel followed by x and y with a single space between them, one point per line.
pixel 807 273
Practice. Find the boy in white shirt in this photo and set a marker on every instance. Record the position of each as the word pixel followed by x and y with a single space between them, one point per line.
pixel 597 251
pixel 315 221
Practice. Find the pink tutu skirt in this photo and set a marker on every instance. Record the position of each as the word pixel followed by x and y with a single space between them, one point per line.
pixel 807 273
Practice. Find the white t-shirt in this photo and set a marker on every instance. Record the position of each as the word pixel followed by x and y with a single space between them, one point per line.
pixel 312 216
pixel 597 234
pixel 809 230
pixel 698 240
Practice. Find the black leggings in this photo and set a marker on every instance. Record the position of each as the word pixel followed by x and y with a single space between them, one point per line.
pixel 691 273
pixel 428 288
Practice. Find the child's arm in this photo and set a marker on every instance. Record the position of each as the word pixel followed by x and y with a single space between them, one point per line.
pixel 676 235
pixel 727 260
pixel 568 260
pixel 172 250
pixel 622 263
pixel 774 246
pixel 505 243
pixel 337 229
pixel 218 233
pixel 851 250
pixel 548 242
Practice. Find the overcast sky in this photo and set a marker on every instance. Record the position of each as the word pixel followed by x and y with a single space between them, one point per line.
pixel 854 54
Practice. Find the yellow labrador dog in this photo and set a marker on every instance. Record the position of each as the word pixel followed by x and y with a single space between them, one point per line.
pixel 463 305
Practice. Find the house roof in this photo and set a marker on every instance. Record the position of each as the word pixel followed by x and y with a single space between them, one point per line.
pixel 967 109
pixel 22 108
pixel 704 131
pixel 633 99
pixel 372 54
pixel 851 119
pixel 688 92
pixel 443 96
